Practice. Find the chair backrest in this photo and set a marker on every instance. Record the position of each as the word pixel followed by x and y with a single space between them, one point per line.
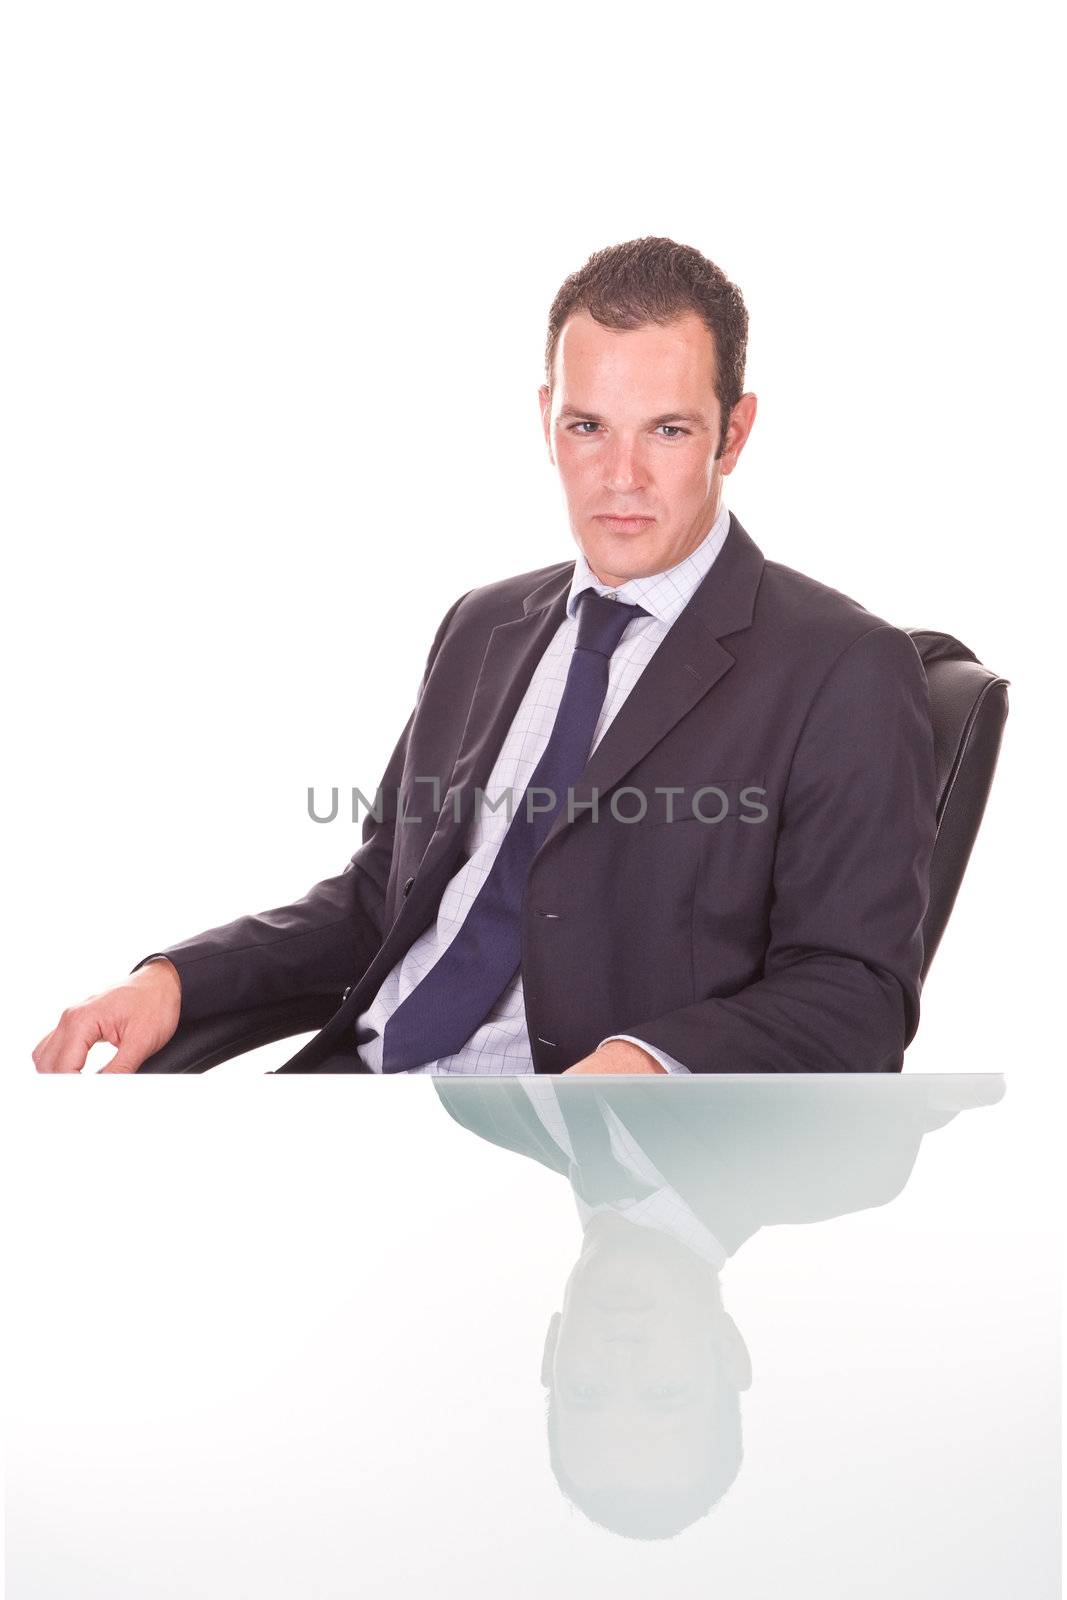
pixel 968 709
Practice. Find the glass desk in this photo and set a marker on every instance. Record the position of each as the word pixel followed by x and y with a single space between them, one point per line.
pixel 739 1336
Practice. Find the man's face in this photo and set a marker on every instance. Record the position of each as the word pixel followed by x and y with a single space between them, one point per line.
pixel 632 423
pixel 634 1358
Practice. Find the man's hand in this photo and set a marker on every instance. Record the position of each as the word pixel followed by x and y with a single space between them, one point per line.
pixel 617 1055
pixel 139 1017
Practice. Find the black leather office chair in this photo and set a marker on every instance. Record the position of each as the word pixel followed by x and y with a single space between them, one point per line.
pixel 968 709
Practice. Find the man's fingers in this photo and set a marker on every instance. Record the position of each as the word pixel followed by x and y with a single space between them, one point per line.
pixel 43 1051
pixel 137 1017
pixel 130 1054
pixel 66 1047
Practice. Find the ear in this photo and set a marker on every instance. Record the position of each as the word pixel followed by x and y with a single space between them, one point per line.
pixel 738 429
pixel 549 1355
pixel 544 395
pixel 735 1356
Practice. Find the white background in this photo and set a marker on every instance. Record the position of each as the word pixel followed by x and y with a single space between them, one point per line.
pixel 277 280
pixel 275 285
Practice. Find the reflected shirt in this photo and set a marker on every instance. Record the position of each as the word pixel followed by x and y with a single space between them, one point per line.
pixel 664 1209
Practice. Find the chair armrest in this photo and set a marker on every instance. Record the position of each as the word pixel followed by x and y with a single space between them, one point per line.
pixel 197 1046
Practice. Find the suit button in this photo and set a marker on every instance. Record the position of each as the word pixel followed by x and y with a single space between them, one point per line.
pixel 407 886
pixel 346 994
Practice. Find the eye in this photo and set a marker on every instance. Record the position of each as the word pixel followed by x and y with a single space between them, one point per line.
pixel 576 427
pixel 671 431
pixel 585 1394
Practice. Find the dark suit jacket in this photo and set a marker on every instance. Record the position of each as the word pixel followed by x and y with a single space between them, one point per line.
pixel 792 944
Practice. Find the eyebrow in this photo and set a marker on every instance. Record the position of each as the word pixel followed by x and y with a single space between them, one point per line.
pixel 656 422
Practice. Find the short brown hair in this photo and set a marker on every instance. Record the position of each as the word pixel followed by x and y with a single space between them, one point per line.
pixel 656 280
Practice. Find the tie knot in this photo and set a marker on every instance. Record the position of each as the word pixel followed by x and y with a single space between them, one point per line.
pixel 602 621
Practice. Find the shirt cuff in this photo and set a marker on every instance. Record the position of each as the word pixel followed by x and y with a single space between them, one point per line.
pixel 667 1062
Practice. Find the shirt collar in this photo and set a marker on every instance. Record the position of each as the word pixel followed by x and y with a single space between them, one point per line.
pixel 662 594
pixel 664 1211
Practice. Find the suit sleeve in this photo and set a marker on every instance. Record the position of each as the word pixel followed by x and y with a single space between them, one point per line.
pixel 842 971
pixel 319 944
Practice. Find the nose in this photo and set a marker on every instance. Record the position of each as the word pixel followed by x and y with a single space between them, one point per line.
pixel 623 470
pixel 624 1351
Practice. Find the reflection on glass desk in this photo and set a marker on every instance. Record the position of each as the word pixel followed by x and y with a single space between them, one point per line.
pixel 741 1335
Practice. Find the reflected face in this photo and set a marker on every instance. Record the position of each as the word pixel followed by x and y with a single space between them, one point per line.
pixel 633 423
pixel 634 1360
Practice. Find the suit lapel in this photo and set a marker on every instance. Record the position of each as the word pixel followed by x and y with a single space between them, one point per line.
pixel 683 669
pixel 511 656
pixel 687 663
pixel 509 663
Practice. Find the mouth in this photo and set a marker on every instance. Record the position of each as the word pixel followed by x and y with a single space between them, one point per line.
pixel 627 1299
pixel 625 524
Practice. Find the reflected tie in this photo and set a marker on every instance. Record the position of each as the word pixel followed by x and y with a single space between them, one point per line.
pixel 595 1173
pixel 457 994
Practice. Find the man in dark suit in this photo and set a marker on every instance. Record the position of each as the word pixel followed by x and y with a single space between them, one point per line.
pixel 718 857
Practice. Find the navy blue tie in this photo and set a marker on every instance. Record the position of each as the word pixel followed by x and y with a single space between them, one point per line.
pixel 461 988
